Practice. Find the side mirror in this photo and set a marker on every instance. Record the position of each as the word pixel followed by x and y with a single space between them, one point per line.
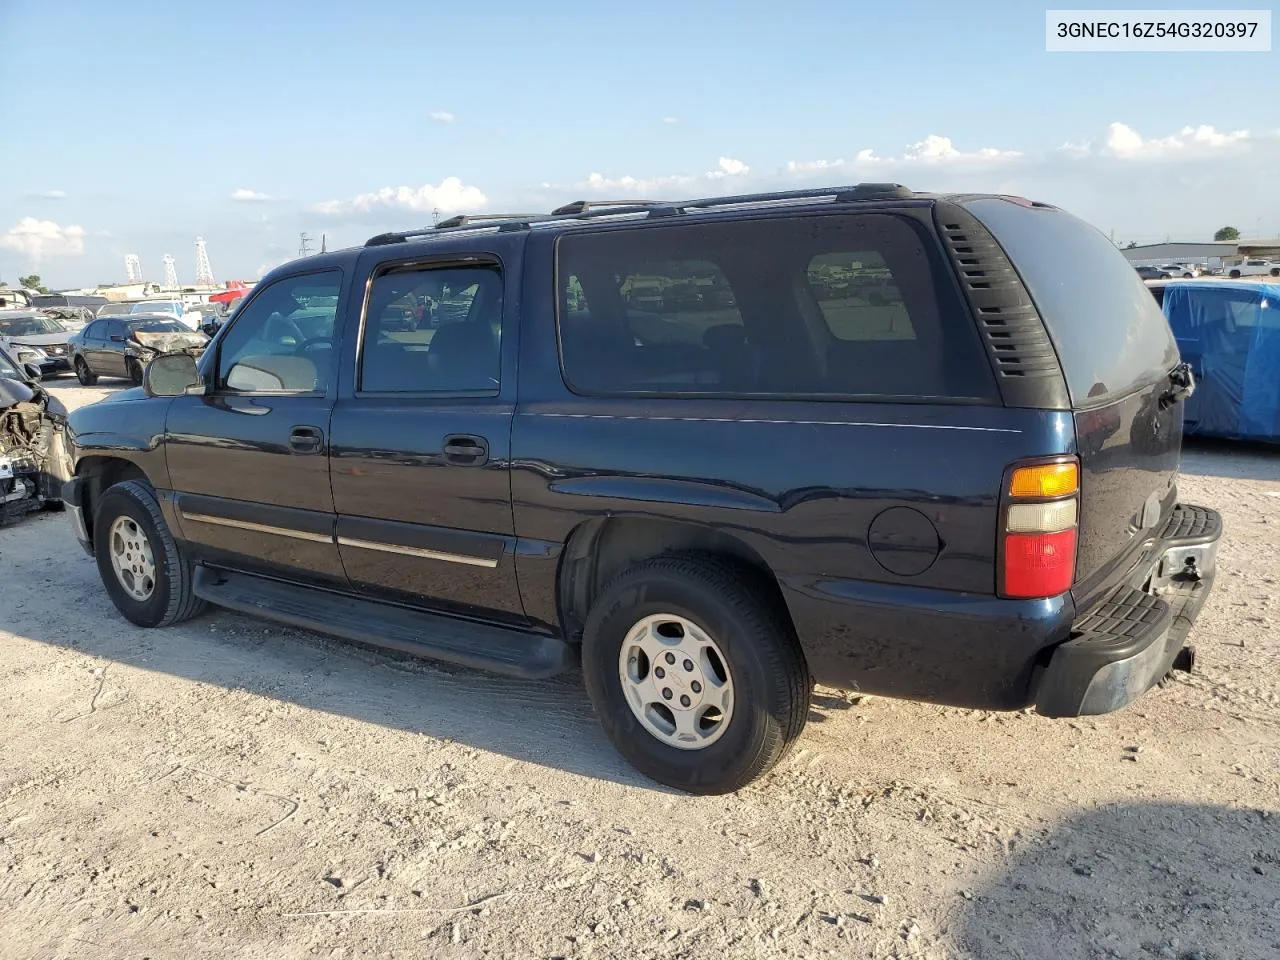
pixel 172 375
pixel 32 371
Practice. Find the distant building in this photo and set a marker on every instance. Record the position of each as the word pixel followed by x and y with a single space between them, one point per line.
pixel 1211 254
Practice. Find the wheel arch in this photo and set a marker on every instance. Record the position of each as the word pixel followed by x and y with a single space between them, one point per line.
pixel 600 549
pixel 100 473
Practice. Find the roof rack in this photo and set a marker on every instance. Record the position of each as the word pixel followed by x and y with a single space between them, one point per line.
pixel 586 206
pixel 590 209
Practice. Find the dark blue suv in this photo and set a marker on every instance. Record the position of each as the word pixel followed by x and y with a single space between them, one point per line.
pixel 914 445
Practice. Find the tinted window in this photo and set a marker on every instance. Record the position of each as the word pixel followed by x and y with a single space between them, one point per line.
pixel 116 329
pixel 1108 330
pixel 850 305
pixel 95 330
pixel 433 331
pixel 283 339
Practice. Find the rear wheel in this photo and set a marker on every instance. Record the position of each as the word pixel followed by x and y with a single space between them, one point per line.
pixel 145 574
pixel 133 369
pixel 695 673
pixel 86 378
pixel 1235 274
pixel 1275 271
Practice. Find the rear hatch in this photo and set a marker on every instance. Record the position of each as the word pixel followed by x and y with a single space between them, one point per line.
pixel 1117 354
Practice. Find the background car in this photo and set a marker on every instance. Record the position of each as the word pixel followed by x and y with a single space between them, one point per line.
pixel 123 346
pixel 115 308
pixel 1184 270
pixel 14 367
pixel 170 308
pixel 1255 268
pixel 30 328
pixel 1153 273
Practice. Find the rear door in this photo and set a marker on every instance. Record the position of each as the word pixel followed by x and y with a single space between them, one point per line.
pixel 421 439
pixel 248 461
pixel 1116 352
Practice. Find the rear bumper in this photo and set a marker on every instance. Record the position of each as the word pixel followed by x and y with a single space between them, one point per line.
pixel 1128 643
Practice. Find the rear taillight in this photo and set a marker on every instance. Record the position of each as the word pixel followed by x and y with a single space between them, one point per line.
pixel 1038 525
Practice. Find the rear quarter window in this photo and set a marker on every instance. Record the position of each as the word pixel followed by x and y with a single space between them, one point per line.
pixel 852 305
pixel 1109 332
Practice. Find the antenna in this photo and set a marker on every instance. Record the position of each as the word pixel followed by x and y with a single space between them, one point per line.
pixel 133 267
pixel 170 272
pixel 324 243
pixel 204 272
pixel 304 245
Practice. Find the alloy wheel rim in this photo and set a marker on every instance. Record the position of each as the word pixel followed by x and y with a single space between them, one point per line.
pixel 132 558
pixel 676 680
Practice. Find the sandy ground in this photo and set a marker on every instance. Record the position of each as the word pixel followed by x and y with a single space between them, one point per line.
pixel 231 789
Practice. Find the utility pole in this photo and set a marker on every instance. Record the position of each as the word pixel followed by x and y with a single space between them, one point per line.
pixel 304 245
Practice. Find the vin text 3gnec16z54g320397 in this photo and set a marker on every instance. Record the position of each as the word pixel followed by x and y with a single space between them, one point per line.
pixel 716 450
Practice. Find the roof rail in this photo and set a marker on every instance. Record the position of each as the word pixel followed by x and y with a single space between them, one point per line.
pixel 585 206
pixel 467 219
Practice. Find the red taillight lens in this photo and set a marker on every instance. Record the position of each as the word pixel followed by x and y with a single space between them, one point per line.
pixel 1039 564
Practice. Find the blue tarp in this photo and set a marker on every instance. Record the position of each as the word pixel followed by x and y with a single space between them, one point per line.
pixel 1230 334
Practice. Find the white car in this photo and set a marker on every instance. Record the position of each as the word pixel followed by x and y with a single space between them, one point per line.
pixel 1184 270
pixel 1255 268
pixel 170 308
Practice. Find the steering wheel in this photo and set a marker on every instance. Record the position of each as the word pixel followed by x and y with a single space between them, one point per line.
pixel 310 342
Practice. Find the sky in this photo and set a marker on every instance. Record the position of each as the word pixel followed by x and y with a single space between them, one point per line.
pixel 135 126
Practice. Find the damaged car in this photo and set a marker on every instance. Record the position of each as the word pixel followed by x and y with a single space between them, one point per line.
pixel 33 459
pixel 24 329
pixel 122 346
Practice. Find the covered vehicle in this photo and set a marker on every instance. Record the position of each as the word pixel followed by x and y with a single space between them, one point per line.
pixel 33 458
pixel 123 346
pixel 33 329
pixel 1229 333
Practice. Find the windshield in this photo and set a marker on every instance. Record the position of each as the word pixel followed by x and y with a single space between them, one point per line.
pixel 159 306
pixel 29 326
pixel 158 326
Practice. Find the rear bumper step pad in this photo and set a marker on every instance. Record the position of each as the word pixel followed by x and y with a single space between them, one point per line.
pixel 1128 643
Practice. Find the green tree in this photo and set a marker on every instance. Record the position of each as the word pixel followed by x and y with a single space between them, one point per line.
pixel 1227 233
pixel 32 282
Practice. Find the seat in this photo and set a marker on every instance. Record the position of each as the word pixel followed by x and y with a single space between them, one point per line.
pixel 463 356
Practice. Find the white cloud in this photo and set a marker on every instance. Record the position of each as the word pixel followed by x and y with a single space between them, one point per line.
pixel 933 150
pixel 37 239
pixel 450 195
pixel 47 194
pixel 670 119
pixel 249 196
pixel 1126 143
pixel 441 116
pixel 726 168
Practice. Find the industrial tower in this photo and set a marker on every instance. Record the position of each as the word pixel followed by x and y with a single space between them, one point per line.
pixel 170 272
pixel 133 267
pixel 204 272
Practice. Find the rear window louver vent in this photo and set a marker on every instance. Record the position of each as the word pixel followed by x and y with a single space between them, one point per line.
pixel 1020 351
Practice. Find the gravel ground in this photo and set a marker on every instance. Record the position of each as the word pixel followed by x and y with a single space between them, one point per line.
pixel 229 788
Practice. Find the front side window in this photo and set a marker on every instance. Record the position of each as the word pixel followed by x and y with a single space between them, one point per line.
pixel 845 305
pixel 282 342
pixel 94 330
pixel 433 330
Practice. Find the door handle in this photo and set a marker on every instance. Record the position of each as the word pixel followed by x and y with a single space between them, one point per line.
pixel 306 440
pixel 466 450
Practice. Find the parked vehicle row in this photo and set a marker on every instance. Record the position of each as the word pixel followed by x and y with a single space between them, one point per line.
pixel 751 477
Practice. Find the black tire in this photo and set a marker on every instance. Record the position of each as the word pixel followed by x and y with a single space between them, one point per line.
pixel 133 369
pixel 1275 271
pixel 86 378
pixel 771 681
pixel 1235 274
pixel 172 600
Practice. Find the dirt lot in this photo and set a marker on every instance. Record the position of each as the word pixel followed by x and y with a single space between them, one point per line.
pixel 231 789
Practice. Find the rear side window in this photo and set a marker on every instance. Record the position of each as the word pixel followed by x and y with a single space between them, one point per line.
pixel 836 305
pixel 1107 328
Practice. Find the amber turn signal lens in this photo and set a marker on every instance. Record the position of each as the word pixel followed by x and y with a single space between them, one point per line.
pixel 1045 480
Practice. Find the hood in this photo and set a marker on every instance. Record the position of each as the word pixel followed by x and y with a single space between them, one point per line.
pixel 40 339
pixel 168 342
pixel 123 396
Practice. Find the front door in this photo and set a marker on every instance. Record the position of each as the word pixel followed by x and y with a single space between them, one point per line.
pixel 249 460
pixel 421 444
pixel 111 357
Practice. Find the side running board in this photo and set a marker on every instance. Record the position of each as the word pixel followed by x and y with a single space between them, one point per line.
pixel 513 653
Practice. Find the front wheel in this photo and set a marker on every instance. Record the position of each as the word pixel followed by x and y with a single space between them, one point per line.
pixel 133 369
pixel 145 574
pixel 1275 271
pixel 695 673
pixel 86 378
pixel 1235 274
